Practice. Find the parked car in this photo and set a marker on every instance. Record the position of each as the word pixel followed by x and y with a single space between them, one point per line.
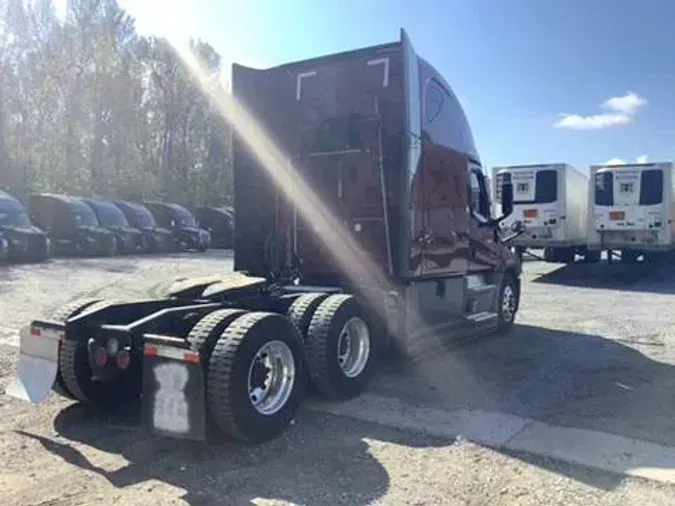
pixel 219 222
pixel 71 225
pixel 187 234
pixel 158 239
pixel 23 240
pixel 128 239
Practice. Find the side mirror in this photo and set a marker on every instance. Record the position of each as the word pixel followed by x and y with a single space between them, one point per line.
pixel 507 196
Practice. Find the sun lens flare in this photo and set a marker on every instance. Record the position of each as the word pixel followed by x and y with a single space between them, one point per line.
pixel 348 255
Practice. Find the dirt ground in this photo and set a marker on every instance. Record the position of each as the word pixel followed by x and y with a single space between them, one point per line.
pixel 593 352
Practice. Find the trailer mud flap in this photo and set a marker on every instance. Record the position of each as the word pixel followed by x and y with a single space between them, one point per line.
pixel 173 389
pixel 38 362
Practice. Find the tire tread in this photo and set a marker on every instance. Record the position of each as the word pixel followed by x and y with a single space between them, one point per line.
pixel 317 343
pixel 62 314
pixel 220 376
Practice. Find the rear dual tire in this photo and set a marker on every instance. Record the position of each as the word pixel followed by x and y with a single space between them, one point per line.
pixel 231 340
pixel 253 367
pixel 61 315
pixel 340 344
pixel 74 375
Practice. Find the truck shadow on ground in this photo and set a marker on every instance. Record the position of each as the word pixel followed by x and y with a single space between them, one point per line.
pixel 320 459
pixel 638 277
pixel 563 379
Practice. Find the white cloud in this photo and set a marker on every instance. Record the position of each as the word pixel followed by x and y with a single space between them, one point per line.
pixel 619 161
pixel 628 104
pixel 621 112
pixel 593 122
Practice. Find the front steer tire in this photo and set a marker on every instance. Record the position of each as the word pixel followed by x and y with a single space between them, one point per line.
pixel 322 348
pixel 227 379
pixel 507 304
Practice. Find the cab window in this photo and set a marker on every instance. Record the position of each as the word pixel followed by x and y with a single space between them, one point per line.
pixel 433 102
pixel 479 201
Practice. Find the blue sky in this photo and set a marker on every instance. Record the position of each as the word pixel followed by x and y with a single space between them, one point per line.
pixel 519 66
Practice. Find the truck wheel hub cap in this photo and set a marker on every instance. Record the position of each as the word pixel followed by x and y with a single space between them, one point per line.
pixel 353 347
pixel 508 303
pixel 271 377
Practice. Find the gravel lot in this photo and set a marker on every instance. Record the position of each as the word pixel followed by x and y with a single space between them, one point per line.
pixel 591 351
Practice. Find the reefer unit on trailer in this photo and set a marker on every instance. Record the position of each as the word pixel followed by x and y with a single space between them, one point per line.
pixel 631 209
pixel 550 200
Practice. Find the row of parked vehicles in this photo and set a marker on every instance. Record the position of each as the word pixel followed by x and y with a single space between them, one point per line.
pixel 626 210
pixel 50 224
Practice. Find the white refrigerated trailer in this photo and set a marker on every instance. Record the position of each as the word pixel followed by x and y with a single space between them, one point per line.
pixel 632 210
pixel 550 200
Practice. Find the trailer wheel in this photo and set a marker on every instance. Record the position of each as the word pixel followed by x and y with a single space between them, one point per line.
pixel 565 255
pixel 549 255
pixel 629 256
pixel 339 347
pixel 73 308
pixel 253 384
pixel 592 257
pixel 302 310
pixel 77 376
pixel 507 304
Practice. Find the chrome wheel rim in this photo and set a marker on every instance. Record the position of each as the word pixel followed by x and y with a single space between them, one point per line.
pixel 271 377
pixel 508 303
pixel 353 347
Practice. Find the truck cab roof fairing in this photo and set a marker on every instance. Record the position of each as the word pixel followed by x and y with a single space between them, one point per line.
pixel 413 107
pixel 459 135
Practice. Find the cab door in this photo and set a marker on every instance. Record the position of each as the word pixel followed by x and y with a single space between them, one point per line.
pixel 483 256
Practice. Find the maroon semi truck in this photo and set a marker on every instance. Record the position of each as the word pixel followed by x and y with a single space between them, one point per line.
pixel 382 237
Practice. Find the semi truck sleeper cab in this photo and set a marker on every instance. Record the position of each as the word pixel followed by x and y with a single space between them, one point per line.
pixel 411 255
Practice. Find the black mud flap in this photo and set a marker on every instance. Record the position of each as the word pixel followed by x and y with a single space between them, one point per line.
pixel 173 389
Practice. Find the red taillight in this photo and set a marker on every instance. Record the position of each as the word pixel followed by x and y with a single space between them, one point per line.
pixel 617 215
pixel 100 357
pixel 35 332
pixel 150 351
pixel 123 359
pixel 191 356
pixel 530 213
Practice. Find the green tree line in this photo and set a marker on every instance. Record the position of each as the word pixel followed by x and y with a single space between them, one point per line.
pixel 90 107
